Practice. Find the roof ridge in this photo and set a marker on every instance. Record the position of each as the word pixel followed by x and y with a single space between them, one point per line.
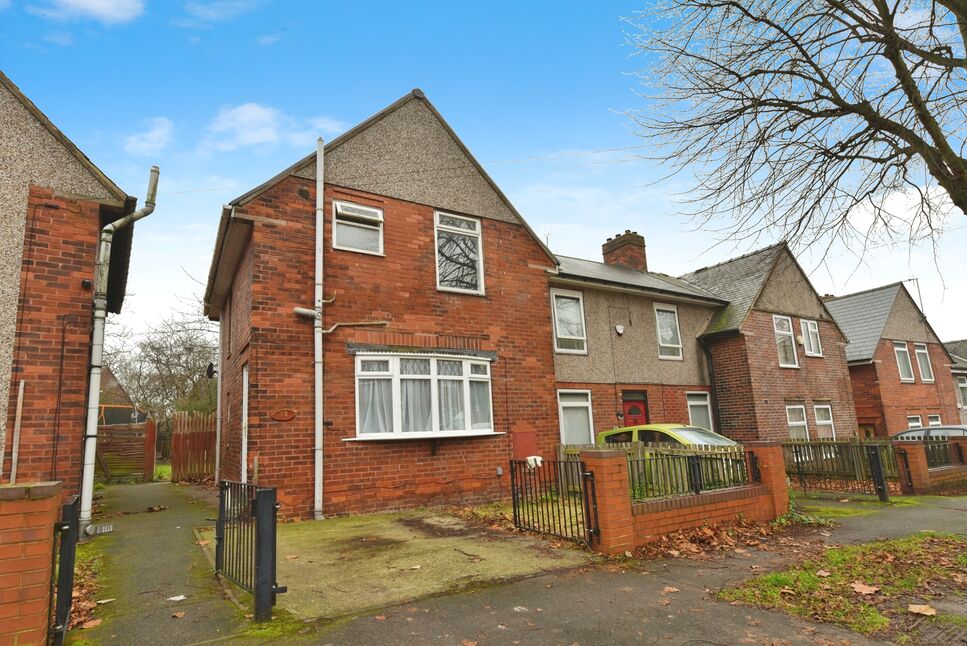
pixel 866 291
pixel 781 243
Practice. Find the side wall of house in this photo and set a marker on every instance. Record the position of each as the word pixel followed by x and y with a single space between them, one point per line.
pixel 512 321
pixel 52 352
pixel 732 385
pixel 867 398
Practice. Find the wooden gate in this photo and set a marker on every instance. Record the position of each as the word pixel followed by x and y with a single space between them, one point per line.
pixel 192 446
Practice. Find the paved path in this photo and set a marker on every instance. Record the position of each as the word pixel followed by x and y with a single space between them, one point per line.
pixel 151 557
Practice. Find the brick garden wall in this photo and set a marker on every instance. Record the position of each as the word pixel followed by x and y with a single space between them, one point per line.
pixel 59 252
pixel 27 516
pixel 512 320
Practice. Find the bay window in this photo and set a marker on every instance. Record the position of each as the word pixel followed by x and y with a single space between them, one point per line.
pixel 407 396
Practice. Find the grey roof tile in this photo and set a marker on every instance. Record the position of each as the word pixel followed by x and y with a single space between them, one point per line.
pixel 958 350
pixel 862 317
pixel 602 272
pixel 738 281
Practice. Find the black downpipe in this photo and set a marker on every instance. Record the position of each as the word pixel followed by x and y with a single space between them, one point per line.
pixel 711 378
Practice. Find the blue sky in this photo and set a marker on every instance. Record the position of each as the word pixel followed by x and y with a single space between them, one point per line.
pixel 224 94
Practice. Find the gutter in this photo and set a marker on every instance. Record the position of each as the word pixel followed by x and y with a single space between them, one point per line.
pixel 102 270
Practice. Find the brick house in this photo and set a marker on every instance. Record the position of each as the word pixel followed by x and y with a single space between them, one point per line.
pixel 718 348
pixel 958 351
pixel 901 372
pixel 436 361
pixel 53 203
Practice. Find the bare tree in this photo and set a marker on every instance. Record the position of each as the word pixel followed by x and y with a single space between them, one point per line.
pixel 816 119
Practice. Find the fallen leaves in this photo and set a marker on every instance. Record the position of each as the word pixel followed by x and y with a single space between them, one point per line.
pixel 156 508
pixel 669 590
pixel 862 588
pixel 822 573
pixel 178 615
pixel 702 542
pixel 922 609
pixel 91 623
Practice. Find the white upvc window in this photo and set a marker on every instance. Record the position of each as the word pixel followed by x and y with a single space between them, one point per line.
pixel 414 395
pixel 825 428
pixel 796 422
pixel 785 341
pixel 570 335
pixel 577 420
pixel 812 344
pixel 903 360
pixel 934 420
pixel 962 391
pixel 357 228
pixel 913 421
pixel 459 254
pixel 923 362
pixel 669 333
pixel 699 410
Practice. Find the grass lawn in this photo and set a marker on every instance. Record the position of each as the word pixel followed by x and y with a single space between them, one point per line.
pixel 162 471
pixel 867 588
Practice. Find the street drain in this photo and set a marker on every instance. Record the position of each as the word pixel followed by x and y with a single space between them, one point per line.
pixel 95 530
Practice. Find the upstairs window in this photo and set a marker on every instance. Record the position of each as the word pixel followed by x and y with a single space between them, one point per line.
pixel 669 334
pixel 785 342
pixel 923 362
pixel 796 422
pixel 357 228
pixel 903 360
pixel 459 256
pixel 810 338
pixel 962 390
pixel 569 332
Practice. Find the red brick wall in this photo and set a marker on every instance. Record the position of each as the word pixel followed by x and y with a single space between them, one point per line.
pixel 896 399
pixel 866 394
pixel 27 516
pixel 818 380
pixel 734 402
pixel 513 320
pixel 666 403
pixel 59 252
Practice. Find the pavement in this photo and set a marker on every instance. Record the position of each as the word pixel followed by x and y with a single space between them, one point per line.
pixel 151 557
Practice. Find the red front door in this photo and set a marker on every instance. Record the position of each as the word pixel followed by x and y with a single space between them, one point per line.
pixel 636 413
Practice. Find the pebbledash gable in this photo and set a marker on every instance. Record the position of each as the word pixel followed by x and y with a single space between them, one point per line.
pixel 436 352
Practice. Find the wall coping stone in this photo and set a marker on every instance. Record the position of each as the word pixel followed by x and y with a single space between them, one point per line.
pixel 30 490
pixel 705 498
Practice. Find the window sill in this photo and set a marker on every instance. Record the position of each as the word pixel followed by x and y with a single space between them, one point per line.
pixel 815 356
pixel 465 292
pixel 574 352
pixel 790 366
pixel 908 381
pixel 661 358
pixel 442 435
pixel 378 254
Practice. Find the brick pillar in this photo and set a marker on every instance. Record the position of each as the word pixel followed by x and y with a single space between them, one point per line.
pixel 27 516
pixel 615 520
pixel 150 442
pixel 772 467
pixel 917 462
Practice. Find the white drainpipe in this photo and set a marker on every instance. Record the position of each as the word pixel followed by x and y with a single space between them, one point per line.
pixel 317 328
pixel 97 342
pixel 218 408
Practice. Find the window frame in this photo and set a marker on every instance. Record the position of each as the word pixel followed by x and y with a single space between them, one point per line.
pixel 922 349
pixel 792 337
pixel 919 422
pixel 567 293
pixel 678 329
pixel 805 421
pixel 899 346
pixel 478 233
pixel 807 326
pixel 562 405
pixel 930 419
pixel 962 391
pixel 831 423
pixel 395 376
pixel 708 405
pixel 379 228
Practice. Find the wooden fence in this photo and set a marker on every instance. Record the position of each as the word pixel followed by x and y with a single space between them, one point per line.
pixel 192 446
pixel 125 452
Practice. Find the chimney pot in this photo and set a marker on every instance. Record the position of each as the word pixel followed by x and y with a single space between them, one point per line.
pixel 626 250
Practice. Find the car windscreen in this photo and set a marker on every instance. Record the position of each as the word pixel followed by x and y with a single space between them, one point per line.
pixel 695 435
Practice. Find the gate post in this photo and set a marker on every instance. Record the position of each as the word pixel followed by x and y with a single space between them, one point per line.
pixel 616 523
pixel 266 588
pixel 876 470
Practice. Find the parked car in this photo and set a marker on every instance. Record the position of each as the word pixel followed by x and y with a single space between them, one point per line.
pixel 664 434
pixel 932 433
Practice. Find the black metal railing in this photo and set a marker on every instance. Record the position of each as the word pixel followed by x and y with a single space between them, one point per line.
pixel 941 453
pixel 554 497
pixel 63 559
pixel 661 474
pixel 843 466
pixel 245 542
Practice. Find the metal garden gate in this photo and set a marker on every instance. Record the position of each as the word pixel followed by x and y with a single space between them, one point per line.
pixel 555 497
pixel 63 556
pixel 844 466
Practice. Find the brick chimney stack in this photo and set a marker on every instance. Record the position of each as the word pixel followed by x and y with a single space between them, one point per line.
pixel 626 250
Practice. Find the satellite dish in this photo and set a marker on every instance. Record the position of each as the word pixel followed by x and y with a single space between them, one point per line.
pixel 210 370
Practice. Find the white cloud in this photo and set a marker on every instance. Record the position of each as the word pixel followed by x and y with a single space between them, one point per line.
pixel 106 11
pixel 256 125
pixel 203 14
pixel 269 39
pixel 4 4
pixel 153 140
pixel 61 38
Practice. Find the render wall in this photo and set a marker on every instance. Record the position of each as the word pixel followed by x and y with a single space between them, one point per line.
pixel 29 155
pixel 512 320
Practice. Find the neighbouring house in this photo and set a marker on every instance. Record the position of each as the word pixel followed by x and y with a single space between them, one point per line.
pixel 901 372
pixel 744 347
pixel 437 362
pixel 53 203
pixel 958 352
pixel 117 407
